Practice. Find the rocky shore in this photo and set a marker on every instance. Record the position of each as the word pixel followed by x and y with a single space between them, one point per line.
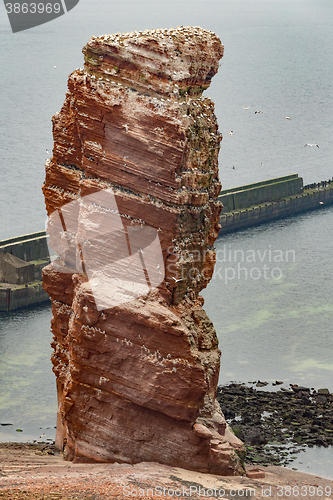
pixel 276 425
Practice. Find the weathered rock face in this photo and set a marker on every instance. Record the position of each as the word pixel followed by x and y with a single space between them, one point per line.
pixel 137 375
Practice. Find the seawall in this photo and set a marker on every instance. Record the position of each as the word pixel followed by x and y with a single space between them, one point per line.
pixel 255 204
pixel 14 297
pixel 28 247
pixel 21 262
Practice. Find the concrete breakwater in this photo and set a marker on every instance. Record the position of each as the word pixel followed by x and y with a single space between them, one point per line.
pixel 254 204
pixel 21 262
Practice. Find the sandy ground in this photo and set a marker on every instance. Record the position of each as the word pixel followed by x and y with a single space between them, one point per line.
pixel 30 474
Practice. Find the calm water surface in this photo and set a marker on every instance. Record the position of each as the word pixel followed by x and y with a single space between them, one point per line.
pixel 279 276
pixel 28 393
pixel 278 59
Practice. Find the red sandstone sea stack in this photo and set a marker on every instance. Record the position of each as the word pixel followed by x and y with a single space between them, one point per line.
pixel 131 193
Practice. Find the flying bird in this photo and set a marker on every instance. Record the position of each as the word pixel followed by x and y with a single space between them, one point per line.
pixel 287 118
pixel 257 112
pixel 307 144
pixel 231 132
pixel 47 152
pixel 248 107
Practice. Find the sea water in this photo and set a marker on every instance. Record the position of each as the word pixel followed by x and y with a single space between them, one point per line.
pixel 278 60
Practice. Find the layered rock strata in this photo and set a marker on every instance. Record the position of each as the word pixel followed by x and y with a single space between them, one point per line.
pixel 137 373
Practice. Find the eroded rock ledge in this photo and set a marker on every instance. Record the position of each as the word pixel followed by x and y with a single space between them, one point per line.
pixel 137 381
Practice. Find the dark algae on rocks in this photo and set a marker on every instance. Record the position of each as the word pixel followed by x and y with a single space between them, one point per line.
pixel 276 425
